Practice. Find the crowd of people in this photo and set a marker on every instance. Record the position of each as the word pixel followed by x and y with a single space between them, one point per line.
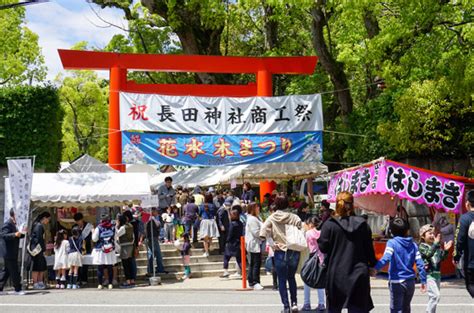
pixel 341 240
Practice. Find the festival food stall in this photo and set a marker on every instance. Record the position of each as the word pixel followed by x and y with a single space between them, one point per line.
pixel 385 187
pixel 64 194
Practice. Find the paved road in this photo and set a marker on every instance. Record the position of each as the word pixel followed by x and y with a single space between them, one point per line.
pixel 163 299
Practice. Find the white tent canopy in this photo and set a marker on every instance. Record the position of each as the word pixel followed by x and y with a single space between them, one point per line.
pixel 85 164
pixel 253 173
pixel 88 189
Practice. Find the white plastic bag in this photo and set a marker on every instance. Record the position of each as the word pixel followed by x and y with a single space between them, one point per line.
pixel 295 239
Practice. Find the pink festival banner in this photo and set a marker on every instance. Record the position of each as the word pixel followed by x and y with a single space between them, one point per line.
pixel 386 177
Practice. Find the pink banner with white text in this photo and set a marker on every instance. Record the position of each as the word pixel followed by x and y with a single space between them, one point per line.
pixel 402 181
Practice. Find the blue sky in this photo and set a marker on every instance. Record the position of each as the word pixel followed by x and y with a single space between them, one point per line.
pixel 62 23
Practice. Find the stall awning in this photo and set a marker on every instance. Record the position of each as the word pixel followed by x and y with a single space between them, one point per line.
pixel 253 173
pixel 88 189
pixel 380 185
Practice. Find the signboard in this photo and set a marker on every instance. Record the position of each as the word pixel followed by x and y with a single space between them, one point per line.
pixel 220 115
pixel 387 177
pixel 18 190
pixel 211 150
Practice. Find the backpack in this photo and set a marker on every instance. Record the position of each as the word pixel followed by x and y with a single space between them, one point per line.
pixel 106 237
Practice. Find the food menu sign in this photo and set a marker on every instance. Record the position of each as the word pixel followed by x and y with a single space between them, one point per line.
pixel 387 177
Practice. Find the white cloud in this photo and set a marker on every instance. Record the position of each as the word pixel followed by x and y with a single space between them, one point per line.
pixel 59 27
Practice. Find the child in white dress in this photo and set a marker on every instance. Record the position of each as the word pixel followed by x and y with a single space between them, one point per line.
pixel 61 248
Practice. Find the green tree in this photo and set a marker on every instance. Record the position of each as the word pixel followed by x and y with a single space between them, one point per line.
pixel 84 99
pixel 21 55
pixel 401 71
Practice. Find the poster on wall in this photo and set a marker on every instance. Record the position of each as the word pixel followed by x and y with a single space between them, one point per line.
pixel 18 190
pixel 220 115
pixel 403 181
pixel 213 150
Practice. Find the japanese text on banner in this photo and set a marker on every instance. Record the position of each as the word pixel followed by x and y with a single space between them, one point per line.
pixel 402 181
pixel 20 177
pixel 209 150
pixel 205 115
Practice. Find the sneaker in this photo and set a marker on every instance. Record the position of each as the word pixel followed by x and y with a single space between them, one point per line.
pixel 42 286
pixel 58 286
pixel 63 286
pixel 69 286
pixel 125 286
pixel 74 286
pixel 115 282
pixel 294 308
pixel 100 287
pixel 306 308
pixel 321 307
pixel 257 286
pixel 268 273
pixel 225 275
pixel 184 277
pixel 18 293
pixel 37 286
pixel 111 286
pixel 235 276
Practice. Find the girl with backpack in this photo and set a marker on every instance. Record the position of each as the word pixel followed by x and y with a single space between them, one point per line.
pixel 74 257
pixel 312 235
pixel 103 254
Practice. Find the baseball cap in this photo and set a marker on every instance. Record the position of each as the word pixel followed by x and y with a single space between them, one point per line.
pixel 425 228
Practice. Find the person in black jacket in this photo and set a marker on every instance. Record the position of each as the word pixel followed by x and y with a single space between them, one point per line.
pixel 223 222
pixel 87 234
pixel 347 242
pixel 9 251
pixel 39 261
pixel 465 243
pixel 232 247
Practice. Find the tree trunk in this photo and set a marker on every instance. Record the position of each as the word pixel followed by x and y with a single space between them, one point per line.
pixel 194 36
pixel 334 69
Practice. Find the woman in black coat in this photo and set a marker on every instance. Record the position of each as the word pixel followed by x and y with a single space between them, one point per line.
pixel 39 261
pixel 347 242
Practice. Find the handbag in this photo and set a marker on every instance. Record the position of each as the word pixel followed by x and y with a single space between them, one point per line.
pixel 295 239
pixel 314 272
pixel 35 251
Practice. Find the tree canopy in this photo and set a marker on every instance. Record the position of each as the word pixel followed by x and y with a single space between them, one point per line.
pixel 21 55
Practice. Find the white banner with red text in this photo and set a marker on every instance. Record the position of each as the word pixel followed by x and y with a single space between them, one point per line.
pixel 220 115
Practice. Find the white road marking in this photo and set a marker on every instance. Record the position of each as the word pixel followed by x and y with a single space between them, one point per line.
pixel 103 305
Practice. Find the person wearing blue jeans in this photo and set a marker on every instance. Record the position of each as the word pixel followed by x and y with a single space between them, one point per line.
pixel 153 244
pixel 286 264
pixel 154 249
pixel 286 260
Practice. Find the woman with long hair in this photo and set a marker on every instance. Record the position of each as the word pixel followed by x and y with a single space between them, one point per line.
pixel 346 240
pixel 253 245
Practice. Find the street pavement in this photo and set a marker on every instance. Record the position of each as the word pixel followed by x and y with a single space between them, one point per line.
pixel 206 295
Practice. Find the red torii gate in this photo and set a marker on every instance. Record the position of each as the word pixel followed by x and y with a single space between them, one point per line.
pixel 119 63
